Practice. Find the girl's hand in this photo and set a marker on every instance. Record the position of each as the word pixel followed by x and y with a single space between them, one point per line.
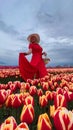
pixel 25 53
pixel 28 52
pixel 44 53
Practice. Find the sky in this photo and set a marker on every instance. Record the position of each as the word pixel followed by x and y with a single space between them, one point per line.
pixel 51 19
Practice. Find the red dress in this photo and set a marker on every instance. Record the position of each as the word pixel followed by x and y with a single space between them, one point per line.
pixel 36 67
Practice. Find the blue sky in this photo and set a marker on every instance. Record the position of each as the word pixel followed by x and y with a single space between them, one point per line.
pixel 52 19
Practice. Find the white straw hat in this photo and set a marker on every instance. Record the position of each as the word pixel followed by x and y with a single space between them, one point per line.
pixel 35 35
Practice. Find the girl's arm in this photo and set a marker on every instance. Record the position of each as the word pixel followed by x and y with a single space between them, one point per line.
pixel 28 52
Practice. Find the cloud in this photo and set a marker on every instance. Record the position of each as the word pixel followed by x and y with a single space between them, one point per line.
pixel 61 55
pixel 56 18
pixel 53 20
pixel 10 57
pixel 11 31
pixel 2 63
pixel 7 29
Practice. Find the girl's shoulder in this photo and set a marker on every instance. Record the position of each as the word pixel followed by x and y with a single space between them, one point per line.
pixel 33 44
pixel 30 45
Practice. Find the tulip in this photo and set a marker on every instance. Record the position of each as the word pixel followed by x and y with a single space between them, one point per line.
pixel 45 86
pixel 59 100
pixel 24 95
pixel 66 95
pixel 35 82
pixel 9 124
pixel 49 95
pixel 12 87
pixel 16 102
pixel 47 77
pixel 43 101
pixel 56 85
pixel 24 87
pixel 63 119
pixel 29 100
pixel 29 81
pixel 3 96
pixel 2 86
pixel 71 87
pixel 9 100
pixel 33 90
pixel 17 84
pixel 9 83
pixel 44 79
pixel 22 126
pixel 8 92
pixel 27 114
pixel 27 86
pixel 39 92
pixel 63 83
pixel 50 83
pixel 66 88
pixel 59 91
pixel 44 122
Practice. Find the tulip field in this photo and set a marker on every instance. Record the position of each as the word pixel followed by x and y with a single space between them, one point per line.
pixel 38 104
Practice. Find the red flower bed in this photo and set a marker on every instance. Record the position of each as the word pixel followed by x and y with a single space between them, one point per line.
pixel 39 104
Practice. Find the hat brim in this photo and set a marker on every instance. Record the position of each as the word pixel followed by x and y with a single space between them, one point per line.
pixel 35 35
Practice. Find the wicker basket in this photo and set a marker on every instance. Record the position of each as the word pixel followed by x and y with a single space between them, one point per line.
pixel 46 60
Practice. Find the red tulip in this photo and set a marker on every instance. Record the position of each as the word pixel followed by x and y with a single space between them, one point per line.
pixel 45 85
pixel 43 101
pixel 44 122
pixel 9 100
pixel 44 79
pixel 56 85
pixel 49 95
pixel 22 126
pixel 8 92
pixel 33 90
pixel 29 81
pixel 17 84
pixel 63 119
pixel 39 92
pixel 50 83
pixel 35 82
pixel 27 114
pixel 24 95
pixel 27 86
pixel 24 87
pixel 3 96
pixel 9 124
pixel 29 100
pixel 3 86
pixel 59 91
pixel 59 100
pixel 63 83
pixel 12 87
pixel 16 102
pixel 66 95
pixel 9 83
